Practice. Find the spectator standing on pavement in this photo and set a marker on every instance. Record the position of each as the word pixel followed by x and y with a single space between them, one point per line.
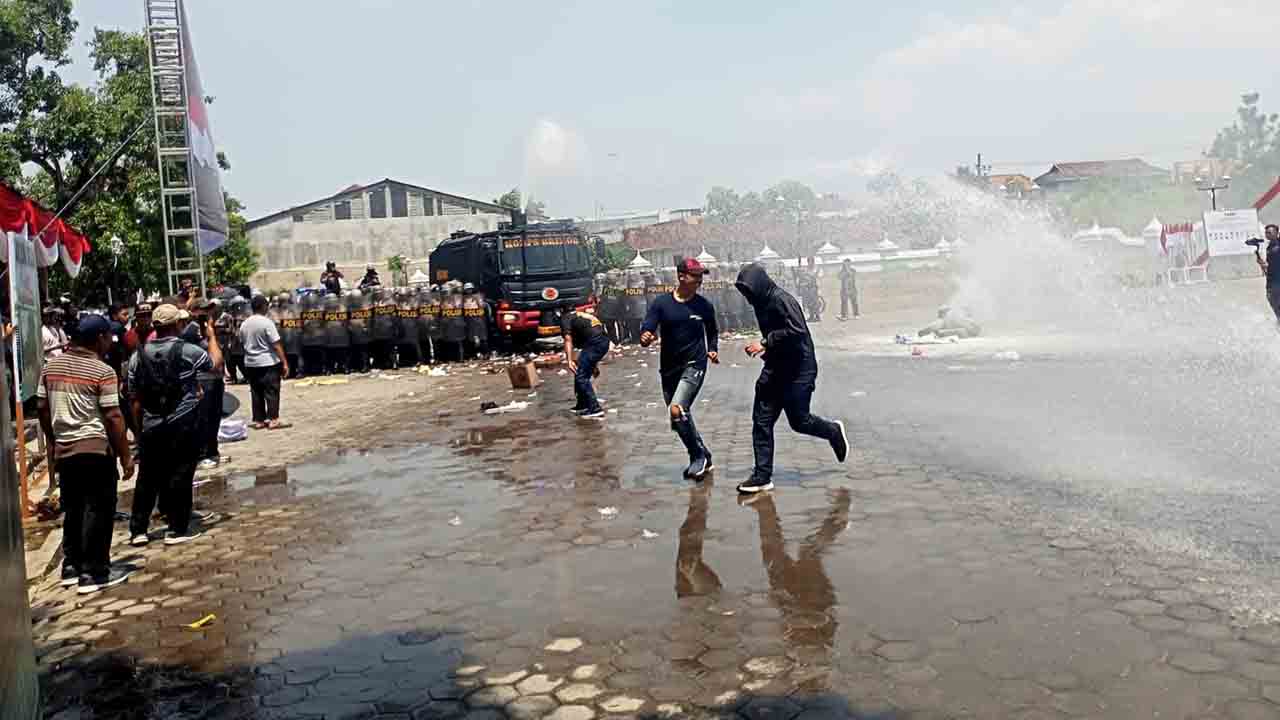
pixel 848 290
pixel 265 365
pixel 52 334
pixel 585 331
pixel 1271 268
pixel 686 322
pixel 213 386
pixel 789 377
pixel 79 405
pixel 165 400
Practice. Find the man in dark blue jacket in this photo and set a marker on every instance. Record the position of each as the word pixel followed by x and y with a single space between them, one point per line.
pixel 789 376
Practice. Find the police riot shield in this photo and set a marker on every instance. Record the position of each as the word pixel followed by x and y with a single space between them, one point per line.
pixel 433 310
pixel 312 322
pixel 290 325
pixel 455 323
pixel 475 312
pixel 635 305
pixel 425 317
pixel 337 336
pixel 359 317
pixel 611 298
pixel 407 311
pixel 385 321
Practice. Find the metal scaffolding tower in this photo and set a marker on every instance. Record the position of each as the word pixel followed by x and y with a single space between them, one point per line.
pixel 173 152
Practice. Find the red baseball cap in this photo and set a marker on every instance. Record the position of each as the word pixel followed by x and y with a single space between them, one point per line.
pixel 691 266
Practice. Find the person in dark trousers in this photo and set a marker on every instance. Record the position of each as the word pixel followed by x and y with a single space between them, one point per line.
pixel 848 290
pixel 686 322
pixel 79 406
pixel 213 386
pixel 265 364
pixel 790 374
pixel 584 331
pixel 165 402
pixel 1271 268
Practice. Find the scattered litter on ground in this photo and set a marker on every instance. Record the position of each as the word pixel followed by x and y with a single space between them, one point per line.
pixel 613 411
pixel 304 383
pixel 563 372
pixel 475 398
pixel 917 351
pixel 858 393
pixel 455 521
pixel 634 375
pixel 412 394
pixel 514 406
pixel 1008 355
pixel 901 340
pixel 608 512
pixel 648 534
pixel 438 372
pixel 202 622
pixel 735 365
pixel 391 377
pixel 333 381
pixel 958 368
pixel 651 405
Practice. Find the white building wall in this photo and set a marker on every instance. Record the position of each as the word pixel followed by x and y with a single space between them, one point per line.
pixel 287 246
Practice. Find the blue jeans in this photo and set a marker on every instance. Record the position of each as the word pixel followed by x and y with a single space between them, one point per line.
pixel 682 389
pixel 590 356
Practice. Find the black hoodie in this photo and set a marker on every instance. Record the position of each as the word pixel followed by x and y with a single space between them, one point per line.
pixel 788 346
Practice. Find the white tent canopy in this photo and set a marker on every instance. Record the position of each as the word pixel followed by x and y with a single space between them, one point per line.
pixel 639 263
pixel 420 278
pixel 942 246
pixel 768 254
pixel 828 249
pixel 887 244
pixel 705 257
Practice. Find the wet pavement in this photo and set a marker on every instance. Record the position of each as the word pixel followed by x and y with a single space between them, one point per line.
pixel 535 565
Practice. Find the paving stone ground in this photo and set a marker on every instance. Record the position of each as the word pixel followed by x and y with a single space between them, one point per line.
pixel 465 569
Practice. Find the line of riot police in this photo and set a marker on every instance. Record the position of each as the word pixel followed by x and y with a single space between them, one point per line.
pixel 625 297
pixel 381 328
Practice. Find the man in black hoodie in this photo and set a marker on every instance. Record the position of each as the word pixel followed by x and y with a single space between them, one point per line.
pixel 789 376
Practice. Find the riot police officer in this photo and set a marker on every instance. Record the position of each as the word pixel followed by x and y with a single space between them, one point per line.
pixel 426 319
pixel 408 352
pixel 610 310
pixel 435 322
pixel 290 324
pixel 313 335
pixel 238 309
pixel 358 318
pixel 476 313
pixel 453 320
pixel 337 336
pixel 383 336
pixel 635 307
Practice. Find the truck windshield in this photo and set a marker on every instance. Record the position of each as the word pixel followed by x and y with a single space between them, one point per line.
pixel 542 255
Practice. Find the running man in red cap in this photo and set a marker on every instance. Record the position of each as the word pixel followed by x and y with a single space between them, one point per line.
pixel 686 322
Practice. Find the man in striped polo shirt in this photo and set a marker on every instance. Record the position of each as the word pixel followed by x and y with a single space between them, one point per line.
pixel 79 402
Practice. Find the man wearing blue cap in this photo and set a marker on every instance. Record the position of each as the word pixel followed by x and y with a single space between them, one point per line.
pixel 79 404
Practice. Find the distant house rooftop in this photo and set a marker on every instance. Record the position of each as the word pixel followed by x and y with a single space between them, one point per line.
pixel 1073 172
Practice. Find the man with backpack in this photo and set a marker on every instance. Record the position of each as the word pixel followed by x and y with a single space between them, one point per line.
pixel 163 376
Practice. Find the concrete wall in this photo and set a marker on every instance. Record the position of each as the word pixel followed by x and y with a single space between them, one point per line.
pixel 293 253
pixel 19 688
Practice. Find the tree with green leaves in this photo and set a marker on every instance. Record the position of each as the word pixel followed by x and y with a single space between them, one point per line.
pixel 69 131
pixel 510 199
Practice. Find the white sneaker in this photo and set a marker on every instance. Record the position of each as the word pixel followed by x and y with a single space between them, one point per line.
pixel 207 464
pixel 139 540
pixel 171 538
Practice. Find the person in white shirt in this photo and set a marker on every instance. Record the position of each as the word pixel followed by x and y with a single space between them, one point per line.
pixel 54 337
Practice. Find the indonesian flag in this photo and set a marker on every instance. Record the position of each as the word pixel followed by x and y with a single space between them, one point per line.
pixel 46 246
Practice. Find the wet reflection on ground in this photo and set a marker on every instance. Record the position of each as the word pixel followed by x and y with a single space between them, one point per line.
pixel 524 567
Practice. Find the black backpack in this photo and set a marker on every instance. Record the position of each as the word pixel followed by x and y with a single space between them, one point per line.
pixel 159 386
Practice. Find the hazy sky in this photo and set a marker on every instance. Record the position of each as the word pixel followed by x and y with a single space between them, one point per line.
pixel 645 104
